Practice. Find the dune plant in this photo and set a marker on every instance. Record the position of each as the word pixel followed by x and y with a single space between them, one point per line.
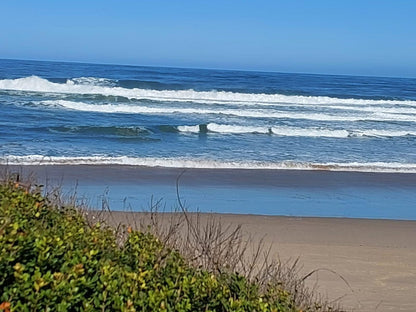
pixel 56 255
pixel 52 259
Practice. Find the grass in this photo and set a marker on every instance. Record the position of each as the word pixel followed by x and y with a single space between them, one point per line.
pixel 57 256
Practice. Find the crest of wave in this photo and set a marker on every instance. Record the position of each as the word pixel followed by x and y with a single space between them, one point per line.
pixel 88 85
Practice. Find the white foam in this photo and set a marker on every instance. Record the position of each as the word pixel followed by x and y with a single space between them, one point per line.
pixel 255 113
pixel 376 109
pixel 207 163
pixel 281 131
pixel 384 133
pixel 92 81
pixel 294 131
pixel 310 132
pixel 37 84
pixel 213 127
pixel 191 129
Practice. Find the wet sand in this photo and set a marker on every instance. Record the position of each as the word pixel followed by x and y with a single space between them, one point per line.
pixel 237 177
pixel 267 192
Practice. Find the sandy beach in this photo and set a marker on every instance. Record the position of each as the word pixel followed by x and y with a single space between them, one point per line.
pixel 376 257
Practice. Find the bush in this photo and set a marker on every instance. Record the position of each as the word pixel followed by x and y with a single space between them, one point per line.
pixel 51 258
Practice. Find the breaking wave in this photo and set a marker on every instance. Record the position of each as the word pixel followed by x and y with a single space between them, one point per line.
pixel 393 167
pixel 101 130
pixel 293 131
pixel 106 87
pixel 139 131
pixel 255 113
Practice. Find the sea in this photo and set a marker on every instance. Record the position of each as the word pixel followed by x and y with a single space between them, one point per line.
pixel 61 113
pixel 73 113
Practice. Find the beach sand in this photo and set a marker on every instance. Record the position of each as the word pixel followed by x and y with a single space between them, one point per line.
pixel 376 257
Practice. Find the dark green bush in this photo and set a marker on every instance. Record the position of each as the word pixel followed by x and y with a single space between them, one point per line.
pixel 51 259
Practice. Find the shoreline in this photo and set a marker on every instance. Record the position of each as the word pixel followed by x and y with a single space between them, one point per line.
pixel 272 177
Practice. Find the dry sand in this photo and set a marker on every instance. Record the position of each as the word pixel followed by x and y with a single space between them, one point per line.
pixel 377 258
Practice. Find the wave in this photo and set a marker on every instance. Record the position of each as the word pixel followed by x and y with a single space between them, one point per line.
pixel 119 131
pixel 394 167
pixel 258 113
pixel 376 109
pixel 218 128
pixel 293 131
pixel 101 86
pixel 140 131
pixel 91 81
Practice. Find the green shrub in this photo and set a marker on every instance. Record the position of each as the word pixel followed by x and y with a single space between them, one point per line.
pixel 51 259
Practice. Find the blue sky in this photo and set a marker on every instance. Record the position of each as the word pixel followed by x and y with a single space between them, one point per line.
pixel 323 36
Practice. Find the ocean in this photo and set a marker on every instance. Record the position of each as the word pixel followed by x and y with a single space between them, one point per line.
pixel 73 113
pixel 250 142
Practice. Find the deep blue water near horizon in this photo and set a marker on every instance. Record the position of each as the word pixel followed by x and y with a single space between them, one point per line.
pixel 72 113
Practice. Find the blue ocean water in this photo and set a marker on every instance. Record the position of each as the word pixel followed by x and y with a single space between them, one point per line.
pixel 72 113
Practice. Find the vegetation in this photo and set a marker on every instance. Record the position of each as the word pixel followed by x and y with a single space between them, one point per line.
pixel 53 258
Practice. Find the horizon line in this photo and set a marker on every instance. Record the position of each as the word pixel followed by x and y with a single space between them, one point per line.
pixel 206 68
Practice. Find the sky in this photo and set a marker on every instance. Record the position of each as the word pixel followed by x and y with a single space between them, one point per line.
pixel 354 37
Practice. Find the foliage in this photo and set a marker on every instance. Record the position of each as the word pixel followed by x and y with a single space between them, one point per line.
pixel 51 258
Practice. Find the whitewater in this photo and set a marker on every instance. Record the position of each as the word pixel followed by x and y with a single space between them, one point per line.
pixel 88 85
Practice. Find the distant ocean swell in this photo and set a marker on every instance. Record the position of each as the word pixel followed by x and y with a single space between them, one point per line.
pixel 206 163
